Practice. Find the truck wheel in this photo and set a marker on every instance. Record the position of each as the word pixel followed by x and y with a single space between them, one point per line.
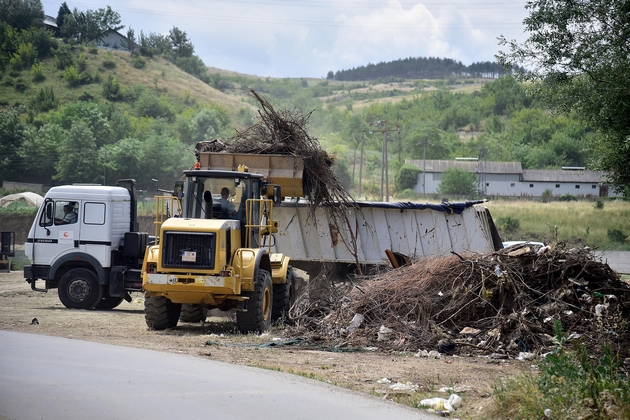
pixel 193 313
pixel 109 302
pixel 79 289
pixel 160 313
pixel 282 296
pixel 257 318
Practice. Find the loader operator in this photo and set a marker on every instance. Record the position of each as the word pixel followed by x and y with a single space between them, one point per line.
pixel 69 216
pixel 227 208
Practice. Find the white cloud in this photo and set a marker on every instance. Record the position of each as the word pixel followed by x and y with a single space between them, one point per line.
pixel 289 38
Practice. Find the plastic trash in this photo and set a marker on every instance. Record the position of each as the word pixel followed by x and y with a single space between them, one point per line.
pixel 455 401
pixel 357 319
pixel 384 333
pixel 600 309
pixel 441 404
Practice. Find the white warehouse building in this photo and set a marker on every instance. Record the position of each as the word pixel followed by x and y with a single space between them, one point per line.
pixel 510 179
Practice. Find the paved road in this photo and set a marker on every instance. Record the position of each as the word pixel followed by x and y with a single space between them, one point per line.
pixel 57 378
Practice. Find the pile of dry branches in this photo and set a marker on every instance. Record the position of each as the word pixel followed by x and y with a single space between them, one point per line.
pixel 506 301
pixel 284 133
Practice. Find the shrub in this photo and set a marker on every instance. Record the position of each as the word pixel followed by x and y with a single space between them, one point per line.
pixel 138 62
pixel 111 89
pixel 616 235
pixel 71 76
pixel 20 85
pixel 568 197
pixel 45 100
pixel 546 195
pixel 63 57
pixel 509 224
pixel 458 181
pixel 407 177
pixel 37 72
pixel 109 63
pixel 92 49
pixel 81 63
pixel 599 203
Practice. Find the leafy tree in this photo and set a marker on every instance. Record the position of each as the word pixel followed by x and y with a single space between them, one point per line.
pixel 22 14
pixel 64 10
pixel 11 137
pixel 407 177
pixel 151 105
pixel 458 182
pixel 80 162
pixel 90 25
pixel 40 152
pixel 578 52
pixel 205 125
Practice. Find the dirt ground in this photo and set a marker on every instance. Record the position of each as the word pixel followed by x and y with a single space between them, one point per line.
pixel 216 339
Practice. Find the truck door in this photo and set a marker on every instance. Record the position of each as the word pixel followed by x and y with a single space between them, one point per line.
pixel 57 232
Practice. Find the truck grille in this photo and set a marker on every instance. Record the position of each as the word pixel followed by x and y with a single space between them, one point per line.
pixel 188 250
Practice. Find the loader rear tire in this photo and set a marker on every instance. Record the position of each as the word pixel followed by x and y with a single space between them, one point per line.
pixel 79 289
pixel 161 313
pixel 257 318
pixel 193 313
pixel 283 296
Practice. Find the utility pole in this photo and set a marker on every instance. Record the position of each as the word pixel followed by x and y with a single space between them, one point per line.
pixel 384 160
pixel 424 143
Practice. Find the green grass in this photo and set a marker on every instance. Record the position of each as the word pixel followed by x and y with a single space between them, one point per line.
pixel 574 222
pixel 570 384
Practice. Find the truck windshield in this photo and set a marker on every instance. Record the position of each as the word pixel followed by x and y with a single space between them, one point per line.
pixel 216 198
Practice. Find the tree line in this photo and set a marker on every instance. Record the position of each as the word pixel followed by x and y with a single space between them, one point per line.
pixel 419 68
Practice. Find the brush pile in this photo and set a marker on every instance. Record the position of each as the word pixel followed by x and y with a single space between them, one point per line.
pixel 504 302
pixel 284 133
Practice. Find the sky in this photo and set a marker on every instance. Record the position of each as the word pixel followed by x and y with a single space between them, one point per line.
pixel 309 38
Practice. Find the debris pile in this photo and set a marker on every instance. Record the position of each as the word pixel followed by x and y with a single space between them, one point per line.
pixel 502 302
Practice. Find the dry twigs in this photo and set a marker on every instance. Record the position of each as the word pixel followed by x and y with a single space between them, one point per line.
pixel 284 133
pixel 509 300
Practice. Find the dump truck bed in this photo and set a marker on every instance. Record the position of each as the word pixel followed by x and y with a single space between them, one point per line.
pixel 414 230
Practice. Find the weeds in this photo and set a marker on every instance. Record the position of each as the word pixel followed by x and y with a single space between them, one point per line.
pixel 570 384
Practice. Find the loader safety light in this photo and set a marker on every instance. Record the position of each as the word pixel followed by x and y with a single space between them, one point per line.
pixel 197 165
pixel 151 269
pixel 226 273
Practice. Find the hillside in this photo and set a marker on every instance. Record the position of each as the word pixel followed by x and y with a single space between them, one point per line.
pixel 157 75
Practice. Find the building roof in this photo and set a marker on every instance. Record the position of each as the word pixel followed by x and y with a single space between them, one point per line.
pixel 549 175
pixel 470 166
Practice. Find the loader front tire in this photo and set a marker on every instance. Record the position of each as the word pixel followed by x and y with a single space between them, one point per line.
pixel 160 313
pixel 193 313
pixel 79 289
pixel 283 296
pixel 257 317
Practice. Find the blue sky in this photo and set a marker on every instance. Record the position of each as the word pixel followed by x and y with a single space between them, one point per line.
pixel 294 38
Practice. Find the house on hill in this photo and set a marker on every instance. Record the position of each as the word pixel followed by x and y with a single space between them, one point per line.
pixel 510 179
pixel 113 40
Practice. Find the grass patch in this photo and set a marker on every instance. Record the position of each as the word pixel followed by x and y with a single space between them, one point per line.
pixel 575 222
pixel 570 384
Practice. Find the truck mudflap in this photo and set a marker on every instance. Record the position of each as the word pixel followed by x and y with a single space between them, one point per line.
pixel 30 278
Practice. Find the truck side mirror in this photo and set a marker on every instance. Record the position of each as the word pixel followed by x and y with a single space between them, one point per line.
pixel 277 194
pixel 47 215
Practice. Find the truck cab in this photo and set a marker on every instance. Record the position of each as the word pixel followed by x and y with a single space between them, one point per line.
pixel 82 241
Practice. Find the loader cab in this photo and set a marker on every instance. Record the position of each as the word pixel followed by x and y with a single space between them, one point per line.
pixel 219 194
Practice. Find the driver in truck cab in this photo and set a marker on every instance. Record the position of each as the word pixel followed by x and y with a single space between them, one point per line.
pixel 69 216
